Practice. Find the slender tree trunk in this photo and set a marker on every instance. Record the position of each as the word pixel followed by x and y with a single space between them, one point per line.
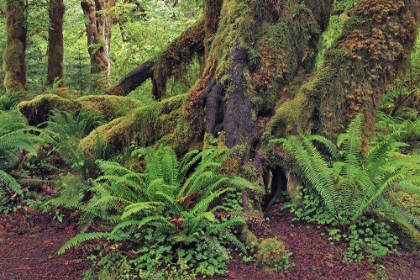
pixel 14 62
pixel 98 30
pixel 55 73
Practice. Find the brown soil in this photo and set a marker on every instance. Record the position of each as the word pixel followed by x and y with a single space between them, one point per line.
pixel 28 247
pixel 29 241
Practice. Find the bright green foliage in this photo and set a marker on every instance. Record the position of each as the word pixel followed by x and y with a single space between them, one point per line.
pixel 168 209
pixel 68 129
pixel 403 130
pixel 8 102
pixel 344 187
pixel 272 255
pixel 14 135
pixel 349 183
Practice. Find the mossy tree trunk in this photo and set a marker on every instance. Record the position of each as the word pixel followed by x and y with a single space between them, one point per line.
pixel 98 30
pixel 14 63
pixel 258 78
pixel 56 9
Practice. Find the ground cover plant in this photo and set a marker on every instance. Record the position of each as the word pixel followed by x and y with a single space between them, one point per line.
pixel 348 190
pixel 164 216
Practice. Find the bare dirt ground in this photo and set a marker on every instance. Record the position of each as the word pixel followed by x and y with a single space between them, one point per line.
pixel 29 244
pixel 29 241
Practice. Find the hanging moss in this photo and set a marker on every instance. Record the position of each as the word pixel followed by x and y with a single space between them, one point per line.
pixel 370 52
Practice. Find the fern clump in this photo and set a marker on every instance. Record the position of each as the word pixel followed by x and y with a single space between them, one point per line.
pixel 68 129
pixel 344 186
pixel 16 139
pixel 164 215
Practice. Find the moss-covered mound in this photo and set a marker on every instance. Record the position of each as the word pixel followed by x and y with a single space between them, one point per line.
pixel 108 107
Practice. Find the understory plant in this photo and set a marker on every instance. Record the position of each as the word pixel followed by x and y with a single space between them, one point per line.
pixel 68 128
pixel 164 214
pixel 16 139
pixel 345 189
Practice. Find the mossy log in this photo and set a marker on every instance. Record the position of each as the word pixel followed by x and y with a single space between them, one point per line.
pixel 107 107
pixel 132 80
pixel 146 126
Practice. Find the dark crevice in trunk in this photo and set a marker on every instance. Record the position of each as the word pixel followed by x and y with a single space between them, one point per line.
pixel 213 95
pixel 238 122
pixel 277 184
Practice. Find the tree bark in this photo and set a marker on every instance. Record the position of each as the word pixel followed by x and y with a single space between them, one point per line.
pixel 174 61
pixel 56 9
pixel 98 30
pixel 132 80
pixel 14 62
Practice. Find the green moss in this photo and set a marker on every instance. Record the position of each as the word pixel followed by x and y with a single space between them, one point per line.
pixel 272 256
pixel 37 110
pixel 144 125
pixel 290 116
pixel 108 107
pixel 249 238
pixel 408 236
pixel 175 61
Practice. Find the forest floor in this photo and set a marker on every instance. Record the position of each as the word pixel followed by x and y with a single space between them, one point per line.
pixel 29 241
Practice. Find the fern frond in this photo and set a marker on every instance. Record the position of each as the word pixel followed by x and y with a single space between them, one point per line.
pixel 407 186
pixel 315 171
pixel 169 201
pixel 214 245
pixel 204 203
pixel 20 138
pixel 351 140
pixel 386 183
pixel 234 240
pixel 147 207
pixel 235 221
pixel 154 164
pixel 169 165
pixel 328 144
pixel 378 157
pixel 11 184
pixel 80 238
pixel 205 181
pixel 186 163
pixel 157 221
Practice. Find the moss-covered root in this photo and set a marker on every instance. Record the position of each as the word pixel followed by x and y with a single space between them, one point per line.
pixel 144 125
pixel 37 110
pixel 272 256
pixel 408 236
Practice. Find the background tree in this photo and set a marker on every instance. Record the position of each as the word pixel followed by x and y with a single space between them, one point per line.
pixel 98 30
pixel 56 11
pixel 14 63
